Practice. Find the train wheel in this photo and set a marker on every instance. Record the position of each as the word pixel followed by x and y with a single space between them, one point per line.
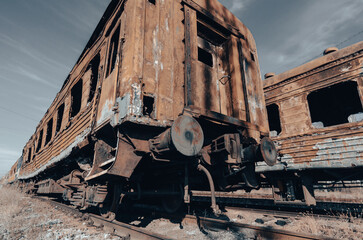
pixel 173 203
pixel 109 208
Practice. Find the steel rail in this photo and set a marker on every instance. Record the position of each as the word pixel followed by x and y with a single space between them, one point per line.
pixel 286 214
pixel 257 231
pixel 267 202
pixel 126 231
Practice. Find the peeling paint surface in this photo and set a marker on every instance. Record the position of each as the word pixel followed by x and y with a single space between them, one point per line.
pixel 136 107
pixel 346 148
pixel 64 154
pixel 106 112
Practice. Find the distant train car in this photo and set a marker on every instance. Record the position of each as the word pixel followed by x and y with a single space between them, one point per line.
pixel 12 175
pixel 316 118
pixel 166 98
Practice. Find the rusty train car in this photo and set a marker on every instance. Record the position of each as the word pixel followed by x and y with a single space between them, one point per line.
pixel 315 117
pixel 12 176
pixel 165 98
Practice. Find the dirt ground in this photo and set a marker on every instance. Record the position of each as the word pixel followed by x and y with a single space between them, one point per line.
pixel 26 218
pixel 23 217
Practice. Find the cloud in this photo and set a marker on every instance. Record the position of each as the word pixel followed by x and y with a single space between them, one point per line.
pixel 30 52
pixel 29 75
pixel 236 6
pixel 319 26
pixel 8 153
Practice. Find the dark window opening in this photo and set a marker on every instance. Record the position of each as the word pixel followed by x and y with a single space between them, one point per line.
pixel 152 1
pixel 210 30
pixel 274 118
pixel 148 105
pixel 205 57
pixel 210 35
pixel 112 53
pixel 115 20
pixel 94 65
pixel 29 154
pixel 334 105
pixel 76 93
pixel 253 57
pixel 49 131
pixel 59 117
pixel 40 139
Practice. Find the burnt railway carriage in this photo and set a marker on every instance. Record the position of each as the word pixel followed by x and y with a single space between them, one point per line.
pixel 315 115
pixel 165 98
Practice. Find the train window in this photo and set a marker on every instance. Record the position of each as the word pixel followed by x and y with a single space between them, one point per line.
pixel 148 105
pixel 274 119
pixel 76 93
pixel 94 65
pixel 40 139
pixel 334 105
pixel 59 117
pixel 112 53
pixel 48 137
pixel 210 30
pixel 29 154
pixel 205 57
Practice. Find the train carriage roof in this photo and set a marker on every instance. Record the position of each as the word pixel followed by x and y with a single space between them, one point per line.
pixel 331 57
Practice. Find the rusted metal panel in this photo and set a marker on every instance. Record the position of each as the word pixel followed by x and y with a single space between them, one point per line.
pixel 302 144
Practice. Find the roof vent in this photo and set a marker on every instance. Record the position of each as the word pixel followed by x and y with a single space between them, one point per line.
pixel 330 50
pixel 270 74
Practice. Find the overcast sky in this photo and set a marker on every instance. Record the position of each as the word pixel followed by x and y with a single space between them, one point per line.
pixel 40 41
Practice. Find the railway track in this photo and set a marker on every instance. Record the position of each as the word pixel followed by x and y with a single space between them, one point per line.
pixel 128 231
pixel 285 214
pixel 323 208
pixel 123 230
pixel 250 231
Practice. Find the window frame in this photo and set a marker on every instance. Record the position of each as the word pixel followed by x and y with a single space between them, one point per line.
pixel 117 27
pixel 71 114
pixel 358 89
pixel 279 115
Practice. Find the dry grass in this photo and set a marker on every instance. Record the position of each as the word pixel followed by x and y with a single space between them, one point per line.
pixel 345 228
pixel 25 218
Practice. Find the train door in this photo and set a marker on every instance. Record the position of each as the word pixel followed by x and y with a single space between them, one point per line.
pixel 108 93
pixel 207 64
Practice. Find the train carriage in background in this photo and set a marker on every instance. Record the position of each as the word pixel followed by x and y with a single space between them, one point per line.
pixel 12 175
pixel 165 98
pixel 315 115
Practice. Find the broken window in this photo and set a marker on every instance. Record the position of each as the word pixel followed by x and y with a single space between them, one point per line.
pixel 94 65
pixel 211 31
pixel 274 119
pixel 76 93
pixel 48 137
pixel 112 53
pixel 40 139
pixel 148 105
pixel 205 57
pixel 209 38
pixel 335 104
pixel 29 154
pixel 59 117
